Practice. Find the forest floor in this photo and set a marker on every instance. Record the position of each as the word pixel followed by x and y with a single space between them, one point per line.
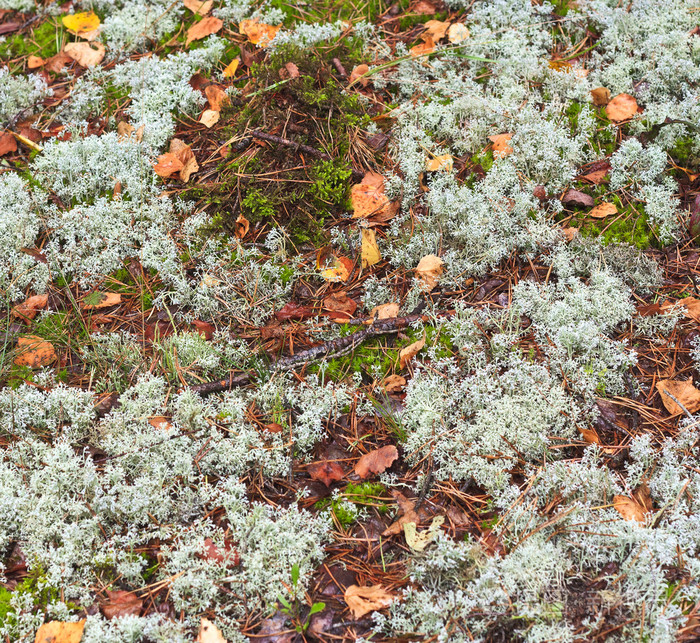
pixel 349 321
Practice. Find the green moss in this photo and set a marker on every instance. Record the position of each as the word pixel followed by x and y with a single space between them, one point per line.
pixel 331 182
pixel 42 41
pixel 682 152
pixel 363 494
pixel 629 228
pixel 256 206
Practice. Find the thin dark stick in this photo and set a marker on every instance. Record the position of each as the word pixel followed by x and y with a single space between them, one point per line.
pixel 271 138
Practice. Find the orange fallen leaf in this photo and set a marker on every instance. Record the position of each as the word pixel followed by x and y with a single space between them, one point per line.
pixel 86 54
pixel 622 108
pixel 34 352
pixel 326 471
pixel 167 165
pixel 423 48
pixel 368 199
pixel 216 96
pixel 408 514
pixel 603 210
pixel 186 156
pixel 81 24
pixel 590 436
pixel 339 269
pixel 384 311
pixel 600 96
pixel 376 461
pixel 198 7
pixel 209 118
pixel 258 33
pixel 121 603
pixel 683 391
pixel 501 146
pixel 428 271
pixel 231 68
pixel 569 233
pixel 370 250
pixel 241 227
pixel 691 306
pixel 340 306
pixel 97 300
pixel 457 33
pixel 58 632
pixel 629 508
pixel 8 143
pixel 160 422
pixel 29 308
pixel 363 600
pixel 408 353
pixel 393 383
pixel 436 29
pixel 209 633
pixel 443 163
pixel 357 75
pixel 205 27
pixel 34 62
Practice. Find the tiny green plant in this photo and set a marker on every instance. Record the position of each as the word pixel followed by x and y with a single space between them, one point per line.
pixel 292 607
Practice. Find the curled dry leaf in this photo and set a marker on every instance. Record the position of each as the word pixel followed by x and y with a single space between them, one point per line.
pixel 408 514
pixel 408 353
pixel 630 509
pixel 428 270
pixel 167 165
pixel 600 96
pixel 198 7
pixel 370 250
pixel 363 600
pixel 358 75
pixel 34 352
pixel 603 210
pixel 97 300
pixel 457 33
pixel 691 306
pixel 436 29
pixel 216 96
pixel 340 306
pixel 442 163
pixel 423 48
pixel 86 54
pixel 384 311
pixel 186 156
pixel 338 269
pixel 622 108
pixel 683 391
pixel 257 32
pixel 121 603
pixel 205 27
pixel 29 308
pixel 368 199
pixel 501 144
pixel 326 471
pixel 58 632
pixel 241 227
pixel 209 118
pixel 81 24
pixel 209 633
pixel 590 436
pixel 376 461
pixel 231 68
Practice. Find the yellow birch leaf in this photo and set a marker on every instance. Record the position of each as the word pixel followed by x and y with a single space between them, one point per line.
pixel 370 249
pixel 81 23
pixel 231 68
pixel 418 541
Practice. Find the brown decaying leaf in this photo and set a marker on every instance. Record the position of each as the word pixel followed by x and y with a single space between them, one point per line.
pixel 569 233
pixel 216 554
pixel 363 600
pixel 59 632
pixel 575 197
pixel 621 108
pixel 205 27
pixel 241 227
pixel 34 62
pixel 683 391
pixel 209 633
pixel 357 75
pixel 325 471
pixel 376 461
pixel 34 352
pixel 86 54
pixel 369 200
pixel 294 311
pixel 216 96
pixel 590 436
pixel 106 299
pixel 423 8
pixel 160 422
pixel 209 118
pixel 408 514
pixel 423 48
pixel 198 7
pixel 29 308
pixel 370 250
pixel 630 509
pixel 603 210
pixel 408 353
pixel 436 29
pixel 167 165
pixel 186 156
pixel 428 270
pixel 596 177
pixel 691 306
pixel 121 603
pixel 340 306
pixel 501 144
pixel 8 143
pixel 393 383
pixel 58 63
pixel 600 96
